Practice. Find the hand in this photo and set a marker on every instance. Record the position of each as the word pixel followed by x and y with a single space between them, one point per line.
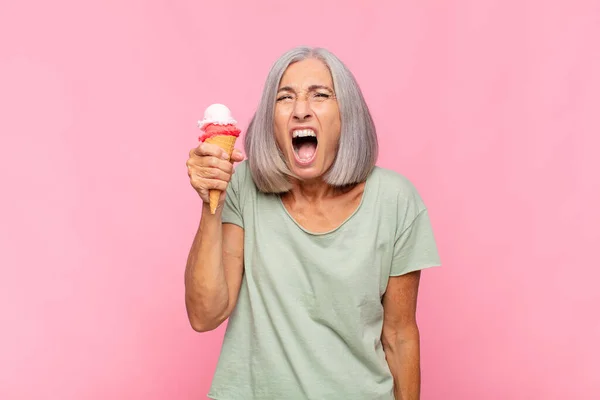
pixel 209 167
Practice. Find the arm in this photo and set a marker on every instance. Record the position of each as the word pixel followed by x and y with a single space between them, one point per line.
pixel 400 335
pixel 213 273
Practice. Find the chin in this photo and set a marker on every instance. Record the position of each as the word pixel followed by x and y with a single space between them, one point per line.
pixel 313 171
pixel 305 175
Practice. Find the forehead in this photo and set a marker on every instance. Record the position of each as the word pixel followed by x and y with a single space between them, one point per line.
pixel 306 73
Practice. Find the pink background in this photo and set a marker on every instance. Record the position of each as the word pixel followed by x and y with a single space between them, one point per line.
pixel 490 107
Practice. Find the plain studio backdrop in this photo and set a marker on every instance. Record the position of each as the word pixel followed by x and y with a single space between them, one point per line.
pixel 490 107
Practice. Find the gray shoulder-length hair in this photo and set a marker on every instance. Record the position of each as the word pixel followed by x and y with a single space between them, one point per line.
pixel 357 148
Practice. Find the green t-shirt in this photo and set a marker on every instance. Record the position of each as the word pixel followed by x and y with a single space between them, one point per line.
pixel 308 321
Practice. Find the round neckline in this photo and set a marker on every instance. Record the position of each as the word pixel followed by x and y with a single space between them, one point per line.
pixel 344 222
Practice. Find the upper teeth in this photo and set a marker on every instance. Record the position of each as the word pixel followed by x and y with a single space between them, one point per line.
pixel 304 133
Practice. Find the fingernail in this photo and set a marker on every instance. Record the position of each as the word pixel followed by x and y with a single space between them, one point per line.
pixel 224 156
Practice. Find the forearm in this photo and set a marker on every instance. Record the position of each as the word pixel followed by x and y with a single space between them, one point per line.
pixel 206 293
pixel 403 357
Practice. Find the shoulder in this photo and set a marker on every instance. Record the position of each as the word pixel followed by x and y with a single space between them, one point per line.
pixel 243 182
pixel 242 167
pixel 242 177
pixel 394 185
pixel 397 198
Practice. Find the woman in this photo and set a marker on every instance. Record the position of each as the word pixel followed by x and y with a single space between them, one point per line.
pixel 314 253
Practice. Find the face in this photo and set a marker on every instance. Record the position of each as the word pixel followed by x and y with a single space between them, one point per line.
pixel 307 119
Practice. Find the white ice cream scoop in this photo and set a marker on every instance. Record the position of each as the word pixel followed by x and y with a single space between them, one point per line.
pixel 217 114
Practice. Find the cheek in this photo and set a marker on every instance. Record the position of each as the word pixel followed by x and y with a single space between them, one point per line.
pixel 280 139
pixel 279 125
pixel 333 125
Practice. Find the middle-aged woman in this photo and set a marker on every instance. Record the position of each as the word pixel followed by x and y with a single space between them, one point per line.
pixel 314 253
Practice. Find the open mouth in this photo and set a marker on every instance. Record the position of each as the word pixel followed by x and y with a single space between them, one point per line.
pixel 305 143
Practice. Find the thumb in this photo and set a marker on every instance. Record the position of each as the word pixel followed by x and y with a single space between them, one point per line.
pixel 237 155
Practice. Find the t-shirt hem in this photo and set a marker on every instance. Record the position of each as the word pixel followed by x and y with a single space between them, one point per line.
pixel 213 396
pixel 223 395
pixel 233 222
pixel 413 269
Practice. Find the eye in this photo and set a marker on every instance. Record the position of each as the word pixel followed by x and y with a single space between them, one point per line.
pixel 284 97
pixel 322 95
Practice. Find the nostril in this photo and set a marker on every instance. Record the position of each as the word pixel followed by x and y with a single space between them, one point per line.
pixel 304 117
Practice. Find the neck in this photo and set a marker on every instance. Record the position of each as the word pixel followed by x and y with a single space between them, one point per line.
pixel 313 191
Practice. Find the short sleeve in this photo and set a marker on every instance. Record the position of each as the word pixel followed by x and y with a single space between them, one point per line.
pixel 415 247
pixel 232 209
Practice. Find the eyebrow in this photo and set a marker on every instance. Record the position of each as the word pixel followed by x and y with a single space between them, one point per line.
pixel 310 88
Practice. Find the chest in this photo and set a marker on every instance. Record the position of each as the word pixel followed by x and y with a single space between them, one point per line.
pixel 347 266
pixel 325 215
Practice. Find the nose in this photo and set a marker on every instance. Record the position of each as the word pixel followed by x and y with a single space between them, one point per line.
pixel 302 110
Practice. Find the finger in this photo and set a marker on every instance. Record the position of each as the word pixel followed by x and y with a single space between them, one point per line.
pixel 237 156
pixel 210 149
pixel 208 184
pixel 214 162
pixel 212 173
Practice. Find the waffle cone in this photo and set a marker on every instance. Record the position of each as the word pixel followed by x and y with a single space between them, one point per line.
pixel 227 143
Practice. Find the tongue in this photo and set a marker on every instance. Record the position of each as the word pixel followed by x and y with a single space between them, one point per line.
pixel 307 150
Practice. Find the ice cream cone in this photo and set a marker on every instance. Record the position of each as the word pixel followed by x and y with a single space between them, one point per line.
pixel 227 143
pixel 218 128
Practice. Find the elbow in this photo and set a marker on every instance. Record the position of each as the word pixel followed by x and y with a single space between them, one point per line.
pixel 394 337
pixel 204 321
pixel 203 326
pixel 388 340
